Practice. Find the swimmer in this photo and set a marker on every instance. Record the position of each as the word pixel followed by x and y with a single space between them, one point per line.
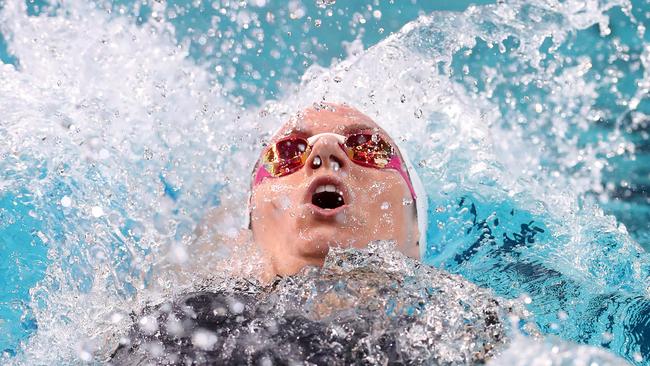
pixel 332 177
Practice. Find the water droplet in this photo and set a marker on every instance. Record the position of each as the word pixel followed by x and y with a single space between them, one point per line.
pixel 42 236
pixel 402 98
pixel 66 201
pixel 148 324
pixel 178 254
pixel 607 337
pixel 204 339
pixel 116 317
pixel 418 113
pixel 336 166
pixel 85 356
pixel 237 307
pixel 97 211
pixel 317 162
pixel 325 3
pixel 284 202
pixel 147 154
pixel 385 205
pixel 317 22
pixel 266 361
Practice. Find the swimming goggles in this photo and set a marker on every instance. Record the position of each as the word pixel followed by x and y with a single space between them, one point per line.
pixel 289 154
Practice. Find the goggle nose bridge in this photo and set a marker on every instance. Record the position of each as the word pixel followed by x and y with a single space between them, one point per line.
pixel 339 138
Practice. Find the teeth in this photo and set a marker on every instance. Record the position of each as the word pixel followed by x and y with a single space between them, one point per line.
pixel 327 188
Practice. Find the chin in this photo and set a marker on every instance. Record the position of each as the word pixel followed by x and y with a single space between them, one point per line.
pixel 318 241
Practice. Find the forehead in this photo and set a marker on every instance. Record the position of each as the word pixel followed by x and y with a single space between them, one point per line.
pixel 333 118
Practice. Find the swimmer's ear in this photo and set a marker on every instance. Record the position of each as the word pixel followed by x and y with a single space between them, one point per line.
pixel 250 211
pixel 414 250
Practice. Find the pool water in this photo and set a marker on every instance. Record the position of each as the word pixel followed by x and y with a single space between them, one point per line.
pixel 124 122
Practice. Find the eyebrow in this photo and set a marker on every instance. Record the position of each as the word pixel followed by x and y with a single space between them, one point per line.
pixel 298 130
pixel 357 127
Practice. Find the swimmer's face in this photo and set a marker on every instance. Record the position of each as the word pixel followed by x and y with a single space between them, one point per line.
pixel 286 217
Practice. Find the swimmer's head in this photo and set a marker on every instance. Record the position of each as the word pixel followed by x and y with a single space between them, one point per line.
pixel 330 177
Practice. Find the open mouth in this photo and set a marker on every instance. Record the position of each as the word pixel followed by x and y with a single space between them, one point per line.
pixel 327 196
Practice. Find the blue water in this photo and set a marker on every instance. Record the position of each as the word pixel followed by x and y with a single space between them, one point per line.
pixel 583 275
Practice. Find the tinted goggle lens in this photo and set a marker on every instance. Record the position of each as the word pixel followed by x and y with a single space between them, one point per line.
pixel 369 149
pixel 288 155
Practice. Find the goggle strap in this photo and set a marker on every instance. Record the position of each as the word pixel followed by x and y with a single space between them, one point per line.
pixel 261 174
pixel 396 163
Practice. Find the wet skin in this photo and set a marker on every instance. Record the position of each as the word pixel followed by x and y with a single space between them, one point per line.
pixel 292 232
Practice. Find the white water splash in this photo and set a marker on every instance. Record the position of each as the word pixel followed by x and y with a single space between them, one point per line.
pixel 116 115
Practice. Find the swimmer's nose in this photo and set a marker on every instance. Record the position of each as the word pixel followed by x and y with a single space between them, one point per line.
pixel 327 154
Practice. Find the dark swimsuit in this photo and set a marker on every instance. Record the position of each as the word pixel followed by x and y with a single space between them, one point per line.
pixel 250 325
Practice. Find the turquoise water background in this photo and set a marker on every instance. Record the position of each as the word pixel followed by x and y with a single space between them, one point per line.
pixel 495 250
